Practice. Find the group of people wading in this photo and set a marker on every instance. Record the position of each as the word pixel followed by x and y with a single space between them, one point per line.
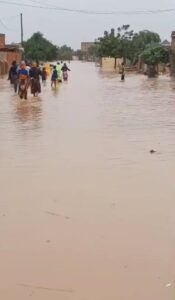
pixel 24 76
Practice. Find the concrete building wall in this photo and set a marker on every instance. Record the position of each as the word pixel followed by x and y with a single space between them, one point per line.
pixel 85 46
pixel 7 55
pixel 172 56
pixel 3 56
pixel 3 68
pixel 2 40
pixel 15 55
pixel 3 63
pixel 110 64
pixel 6 59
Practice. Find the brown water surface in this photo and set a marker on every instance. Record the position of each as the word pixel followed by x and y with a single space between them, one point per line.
pixel 86 212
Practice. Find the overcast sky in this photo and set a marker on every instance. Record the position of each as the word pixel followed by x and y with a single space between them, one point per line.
pixel 72 28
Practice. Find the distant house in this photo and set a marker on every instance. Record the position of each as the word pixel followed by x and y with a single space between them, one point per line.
pixel 85 46
pixel 166 43
pixel 8 53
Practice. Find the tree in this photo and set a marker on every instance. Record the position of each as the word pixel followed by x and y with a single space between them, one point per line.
pixel 124 43
pixel 93 51
pixel 124 37
pixel 78 53
pixel 142 40
pixel 152 56
pixel 106 44
pixel 65 53
pixel 116 45
pixel 39 48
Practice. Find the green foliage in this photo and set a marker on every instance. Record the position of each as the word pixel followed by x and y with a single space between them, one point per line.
pixel 155 54
pixel 79 53
pixel 115 44
pixel 65 53
pixel 93 50
pixel 144 38
pixel 141 41
pixel 39 48
pixel 125 43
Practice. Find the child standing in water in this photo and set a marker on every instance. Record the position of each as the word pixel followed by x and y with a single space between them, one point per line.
pixel 54 77
pixel 44 76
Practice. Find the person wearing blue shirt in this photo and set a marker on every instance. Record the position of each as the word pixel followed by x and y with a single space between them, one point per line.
pixel 23 76
pixel 54 77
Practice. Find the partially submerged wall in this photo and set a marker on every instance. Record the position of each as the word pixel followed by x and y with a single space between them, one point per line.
pixel 111 64
pixel 172 56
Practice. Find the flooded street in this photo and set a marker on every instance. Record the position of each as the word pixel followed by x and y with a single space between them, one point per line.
pixel 86 212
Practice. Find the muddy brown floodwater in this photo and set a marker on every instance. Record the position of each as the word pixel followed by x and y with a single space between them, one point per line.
pixel 86 211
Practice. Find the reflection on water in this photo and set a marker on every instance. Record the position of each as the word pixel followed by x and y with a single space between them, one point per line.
pixel 56 90
pixel 28 111
pixel 86 211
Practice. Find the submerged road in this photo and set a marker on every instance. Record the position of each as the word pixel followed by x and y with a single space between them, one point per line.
pixel 86 211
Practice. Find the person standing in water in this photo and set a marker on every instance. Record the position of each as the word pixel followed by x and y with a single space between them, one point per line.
pixel 13 75
pixel 35 74
pixel 23 75
pixel 58 68
pixel 54 77
pixel 44 75
pixel 123 72
pixel 65 70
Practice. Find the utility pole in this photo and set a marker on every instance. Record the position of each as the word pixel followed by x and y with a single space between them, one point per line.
pixel 22 30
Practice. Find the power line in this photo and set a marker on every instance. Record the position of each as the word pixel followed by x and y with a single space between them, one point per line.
pixel 2 23
pixel 104 12
pixel 48 6
pixel 4 20
pixel 10 17
pixel 88 12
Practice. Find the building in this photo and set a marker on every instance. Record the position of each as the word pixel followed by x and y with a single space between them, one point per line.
pixel 172 54
pixel 166 44
pixel 8 53
pixel 85 46
pixel 111 64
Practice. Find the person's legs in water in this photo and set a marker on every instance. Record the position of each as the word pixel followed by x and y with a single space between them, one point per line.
pixel 53 83
pixel 15 82
pixel 122 77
